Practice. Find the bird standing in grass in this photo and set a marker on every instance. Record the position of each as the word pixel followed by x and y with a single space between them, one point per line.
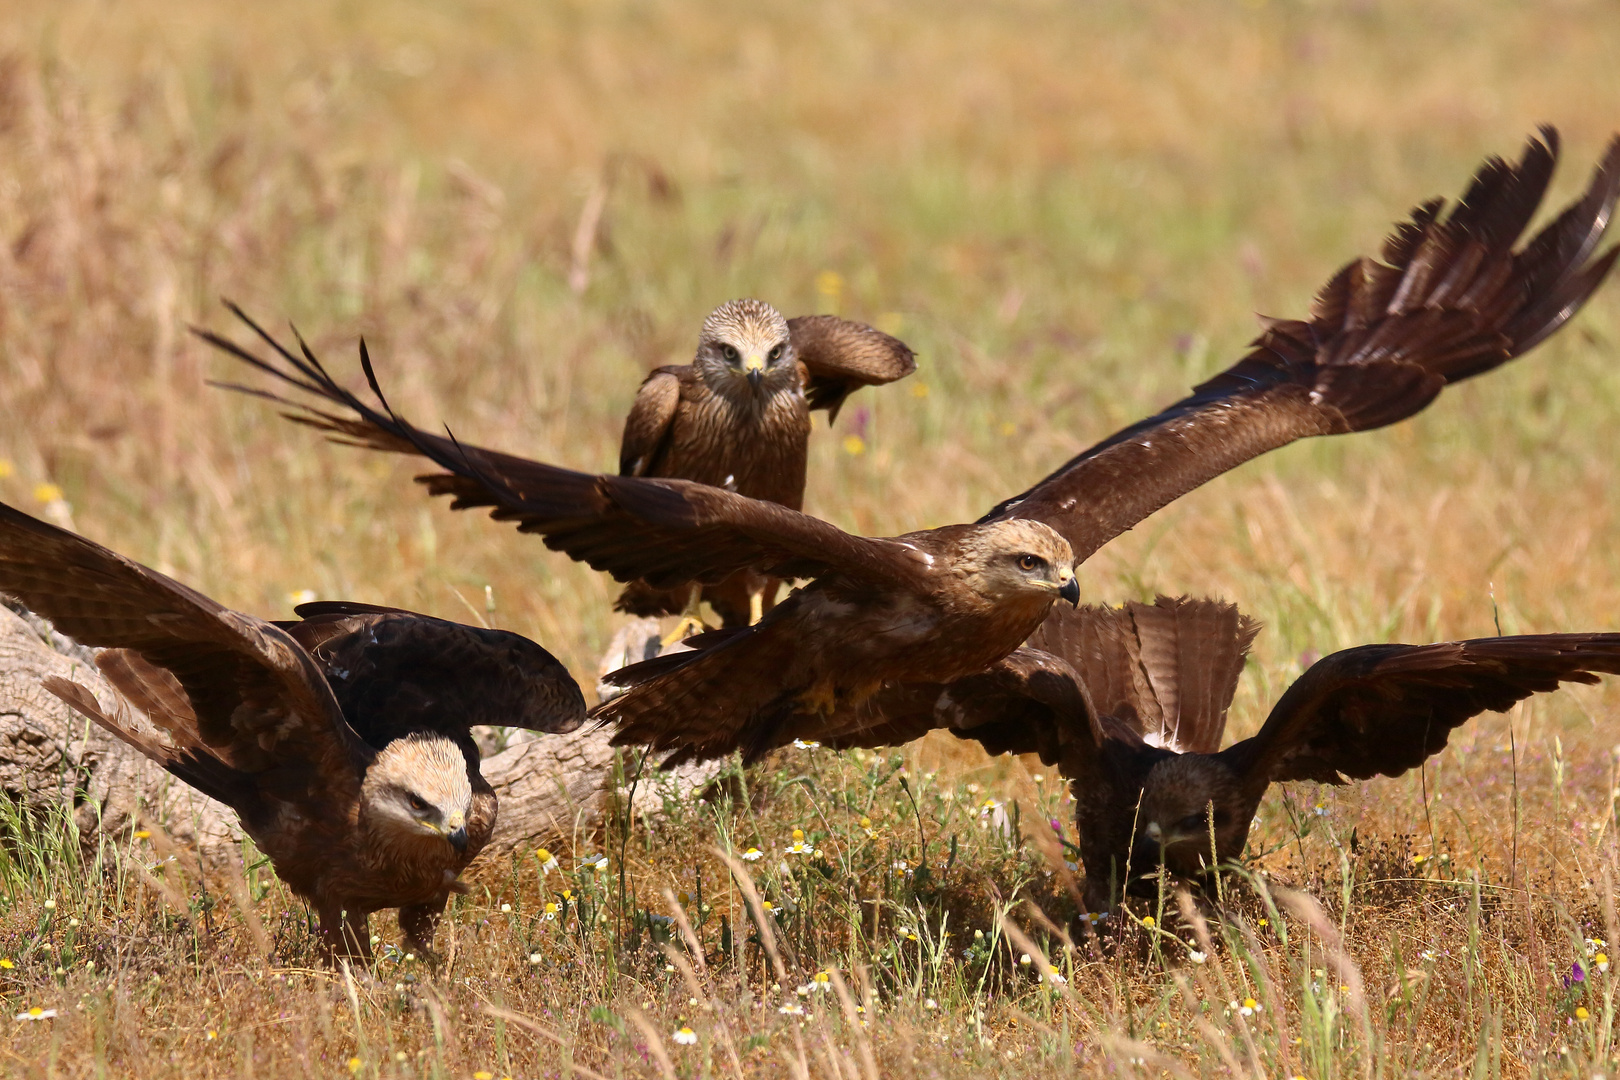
pixel 738 417
pixel 349 761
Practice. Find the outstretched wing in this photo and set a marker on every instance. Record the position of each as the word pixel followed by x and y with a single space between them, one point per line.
pixel 842 356
pixel 1167 669
pixel 396 673
pixel 259 701
pixel 1453 300
pixel 663 531
pixel 1380 710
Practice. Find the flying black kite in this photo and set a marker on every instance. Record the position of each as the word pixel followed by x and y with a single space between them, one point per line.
pixel 348 762
pixel 1453 298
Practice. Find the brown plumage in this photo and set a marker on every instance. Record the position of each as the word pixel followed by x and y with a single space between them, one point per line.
pixel 1142 799
pixel 738 417
pixel 1454 300
pixel 359 781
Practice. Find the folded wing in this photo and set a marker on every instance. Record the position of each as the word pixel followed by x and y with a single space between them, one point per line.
pixel 1451 300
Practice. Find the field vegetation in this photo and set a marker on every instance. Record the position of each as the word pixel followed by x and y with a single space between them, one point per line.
pixel 1072 212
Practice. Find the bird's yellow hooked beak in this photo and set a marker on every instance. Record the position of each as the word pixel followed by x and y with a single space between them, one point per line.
pixel 455 830
pixel 753 366
pixel 1068 585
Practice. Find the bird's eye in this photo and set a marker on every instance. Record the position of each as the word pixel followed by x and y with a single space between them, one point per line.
pixel 776 354
pixel 417 804
pixel 729 352
pixel 1029 562
pixel 1193 821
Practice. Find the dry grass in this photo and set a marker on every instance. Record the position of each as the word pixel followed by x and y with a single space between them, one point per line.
pixel 1071 213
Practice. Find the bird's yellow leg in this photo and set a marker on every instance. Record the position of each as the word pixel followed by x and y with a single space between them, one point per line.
pixel 691 620
pixel 820 697
pixel 756 606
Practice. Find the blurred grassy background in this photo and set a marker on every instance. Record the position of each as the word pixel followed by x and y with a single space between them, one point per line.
pixel 1071 211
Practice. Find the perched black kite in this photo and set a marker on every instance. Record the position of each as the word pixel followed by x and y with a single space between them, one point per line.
pixel 1453 299
pixel 1130 705
pixel 348 761
pixel 738 417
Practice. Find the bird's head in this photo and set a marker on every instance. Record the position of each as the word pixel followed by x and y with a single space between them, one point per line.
pixel 416 794
pixel 745 352
pixel 1173 827
pixel 1020 558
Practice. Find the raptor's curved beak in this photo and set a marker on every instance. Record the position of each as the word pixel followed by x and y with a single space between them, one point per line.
pixel 754 370
pixel 455 831
pixel 1070 590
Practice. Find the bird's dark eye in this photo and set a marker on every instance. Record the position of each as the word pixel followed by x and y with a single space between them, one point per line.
pixel 1029 562
pixel 776 354
pixel 729 352
pixel 1193 821
pixel 416 803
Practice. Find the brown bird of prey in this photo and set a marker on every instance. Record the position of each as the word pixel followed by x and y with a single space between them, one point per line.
pixel 738 417
pixel 1130 704
pixel 1452 299
pixel 348 761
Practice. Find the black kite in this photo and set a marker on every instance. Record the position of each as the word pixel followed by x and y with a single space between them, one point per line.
pixel 348 762
pixel 1130 704
pixel 738 417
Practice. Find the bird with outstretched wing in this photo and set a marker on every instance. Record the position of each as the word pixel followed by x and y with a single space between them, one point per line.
pixel 340 741
pixel 1130 705
pixel 1453 297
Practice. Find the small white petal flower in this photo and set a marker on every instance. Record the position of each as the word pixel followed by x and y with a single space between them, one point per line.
pixel 37 1013
pixel 753 854
pixel 685 1036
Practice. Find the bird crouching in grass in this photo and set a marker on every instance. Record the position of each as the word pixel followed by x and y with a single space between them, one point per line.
pixel 385 812
pixel 1130 705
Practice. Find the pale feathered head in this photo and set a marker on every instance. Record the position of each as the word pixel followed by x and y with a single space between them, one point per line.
pixel 1019 558
pixel 745 352
pixel 416 794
